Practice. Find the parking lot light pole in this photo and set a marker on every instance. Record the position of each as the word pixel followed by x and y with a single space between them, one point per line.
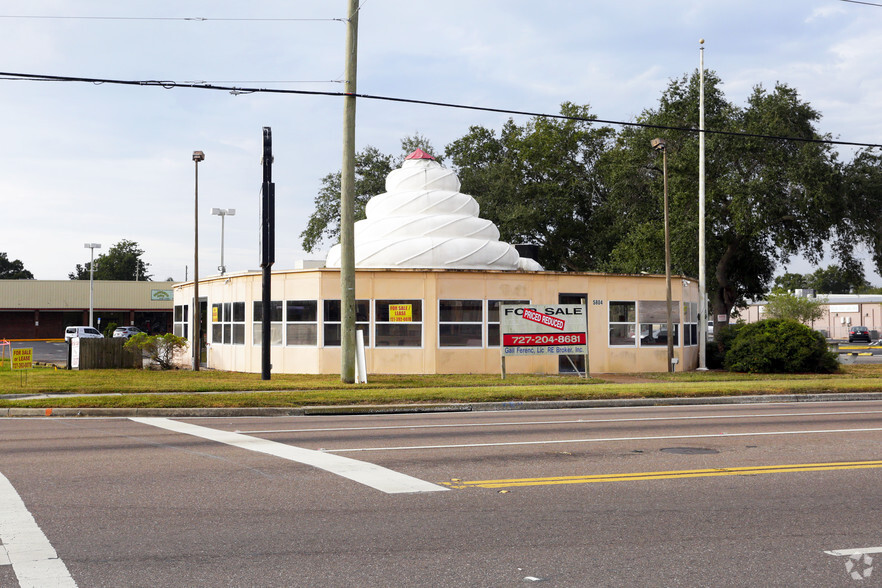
pixel 93 247
pixel 223 213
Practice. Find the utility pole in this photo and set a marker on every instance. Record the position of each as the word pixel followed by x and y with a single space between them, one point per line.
pixel 347 200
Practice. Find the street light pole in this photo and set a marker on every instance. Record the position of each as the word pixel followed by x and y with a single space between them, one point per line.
pixel 93 247
pixel 196 335
pixel 223 213
pixel 659 145
pixel 702 264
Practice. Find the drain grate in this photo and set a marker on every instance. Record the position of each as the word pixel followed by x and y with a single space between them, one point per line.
pixel 690 450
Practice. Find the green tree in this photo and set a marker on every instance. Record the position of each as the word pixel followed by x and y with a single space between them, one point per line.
pixel 767 199
pixel 539 184
pixel 13 269
pixel 121 262
pixel 863 184
pixel 782 304
pixel 836 279
pixel 791 281
pixel 371 168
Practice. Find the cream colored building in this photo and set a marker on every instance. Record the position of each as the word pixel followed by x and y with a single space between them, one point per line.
pixel 454 320
pixel 430 276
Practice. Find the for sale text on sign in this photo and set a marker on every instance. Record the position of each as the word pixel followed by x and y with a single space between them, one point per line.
pixel 22 358
pixel 540 330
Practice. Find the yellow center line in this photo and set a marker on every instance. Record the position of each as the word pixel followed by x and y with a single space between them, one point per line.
pixel 665 475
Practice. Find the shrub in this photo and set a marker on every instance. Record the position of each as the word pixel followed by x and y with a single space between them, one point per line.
pixel 159 348
pixel 779 346
pixel 108 331
pixel 716 349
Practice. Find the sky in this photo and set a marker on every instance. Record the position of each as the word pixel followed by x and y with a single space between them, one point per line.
pixel 99 163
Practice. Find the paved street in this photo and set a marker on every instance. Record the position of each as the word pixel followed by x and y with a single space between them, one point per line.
pixel 741 495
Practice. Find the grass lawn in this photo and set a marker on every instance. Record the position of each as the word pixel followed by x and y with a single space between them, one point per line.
pixel 208 388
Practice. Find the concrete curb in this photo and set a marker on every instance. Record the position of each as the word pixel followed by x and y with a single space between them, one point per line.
pixel 429 408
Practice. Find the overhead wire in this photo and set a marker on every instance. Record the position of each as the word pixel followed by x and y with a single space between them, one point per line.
pixel 236 90
pixel 169 18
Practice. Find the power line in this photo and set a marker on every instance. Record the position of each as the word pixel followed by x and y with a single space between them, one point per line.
pixel 167 18
pixel 236 90
pixel 861 2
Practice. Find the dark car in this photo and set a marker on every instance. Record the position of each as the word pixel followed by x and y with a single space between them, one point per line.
pixel 858 334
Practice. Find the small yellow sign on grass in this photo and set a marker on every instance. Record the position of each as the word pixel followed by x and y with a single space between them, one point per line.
pixel 23 358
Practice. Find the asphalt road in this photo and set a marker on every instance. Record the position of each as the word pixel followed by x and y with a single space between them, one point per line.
pixel 663 496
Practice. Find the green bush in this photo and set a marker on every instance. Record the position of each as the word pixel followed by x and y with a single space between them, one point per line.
pixel 108 331
pixel 716 349
pixel 779 346
pixel 159 348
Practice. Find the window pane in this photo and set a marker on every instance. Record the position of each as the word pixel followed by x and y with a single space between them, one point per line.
pixel 332 334
pixel 656 334
pixel 460 311
pixel 622 312
pixel 238 312
pixel 227 333
pixel 399 335
pixel 217 334
pixel 493 308
pixel 303 334
pixel 656 311
pixel 622 335
pixel 300 311
pixel 217 313
pixel 332 311
pixel 275 334
pixel 179 313
pixel 493 335
pixel 227 312
pixel 257 315
pixel 238 334
pixel 456 335
pixel 414 306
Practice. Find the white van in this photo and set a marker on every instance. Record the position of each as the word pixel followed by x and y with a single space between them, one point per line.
pixel 82 333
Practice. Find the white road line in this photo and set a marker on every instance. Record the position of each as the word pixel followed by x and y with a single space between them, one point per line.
pixel 377 477
pixel 856 551
pixel 34 561
pixel 559 422
pixel 596 440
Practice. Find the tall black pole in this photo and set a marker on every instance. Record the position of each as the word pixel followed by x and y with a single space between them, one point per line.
pixel 267 250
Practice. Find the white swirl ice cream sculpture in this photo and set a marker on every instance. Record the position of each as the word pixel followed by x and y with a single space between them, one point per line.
pixel 424 221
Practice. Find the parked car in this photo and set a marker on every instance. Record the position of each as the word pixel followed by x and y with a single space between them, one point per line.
pixel 125 332
pixel 82 333
pixel 858 334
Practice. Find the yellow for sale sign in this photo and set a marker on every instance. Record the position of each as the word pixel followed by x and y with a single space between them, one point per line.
pixel 400 313
pixel 22 358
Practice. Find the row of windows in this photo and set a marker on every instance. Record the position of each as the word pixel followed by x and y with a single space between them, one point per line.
pixel 643 323
pixel 399 323
pixel 396 323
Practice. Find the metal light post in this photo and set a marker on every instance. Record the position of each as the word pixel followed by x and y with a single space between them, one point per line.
pixel 702 264
pixel 659 145
pixel 93 247
pixel 223 213
pixel 197 319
